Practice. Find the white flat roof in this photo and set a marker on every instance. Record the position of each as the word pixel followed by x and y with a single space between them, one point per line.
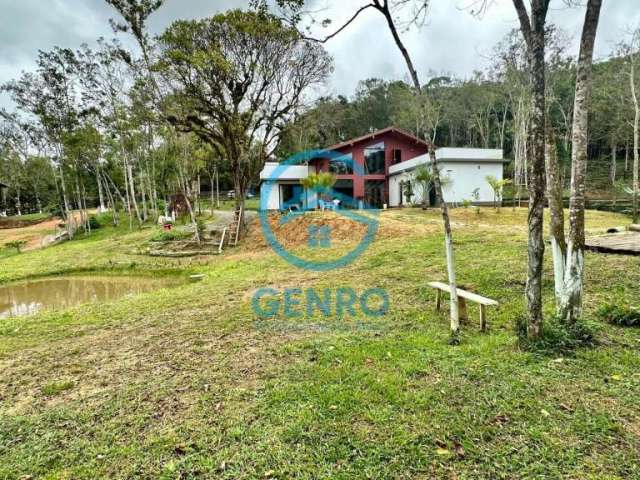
pixel 484 154
pixel 466 155
pixel 287 172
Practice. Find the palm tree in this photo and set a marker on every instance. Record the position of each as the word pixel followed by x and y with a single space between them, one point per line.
pixel 319 183
pixel 497 186
pixel 424 177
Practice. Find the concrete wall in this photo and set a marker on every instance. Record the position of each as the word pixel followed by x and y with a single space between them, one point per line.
pixel 468 176
pixel 270 195
pixel 464 176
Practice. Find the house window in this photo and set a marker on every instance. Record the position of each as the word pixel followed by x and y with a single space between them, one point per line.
pixel 374 160
pixel 342 165
pixel 397 155
pixel 291 196
pixel 374 193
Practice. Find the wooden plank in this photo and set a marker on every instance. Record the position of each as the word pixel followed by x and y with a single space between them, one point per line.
pixel 483 318
pixel 221 246
pixel 462 310
pixel 622 243
pixel 464 294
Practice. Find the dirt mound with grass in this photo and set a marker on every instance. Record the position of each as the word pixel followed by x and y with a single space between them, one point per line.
pixel 7 223
pixel 295 230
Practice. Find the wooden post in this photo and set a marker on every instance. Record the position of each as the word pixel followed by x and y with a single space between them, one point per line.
pixel 438 299
pixel 483 318
pixel 462 310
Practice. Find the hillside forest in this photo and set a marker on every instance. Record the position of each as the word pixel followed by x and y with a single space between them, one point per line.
pixel 110 127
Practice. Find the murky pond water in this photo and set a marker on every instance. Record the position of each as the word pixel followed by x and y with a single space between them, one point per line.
pixel 29 297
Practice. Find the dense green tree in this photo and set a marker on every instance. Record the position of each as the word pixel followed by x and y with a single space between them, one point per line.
pixel 236 79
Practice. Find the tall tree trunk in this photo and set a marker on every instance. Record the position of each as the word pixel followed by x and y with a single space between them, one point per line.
pixel 18 203
pixel 571 298
pixel 383 7
pixel 126 187
pixel 38 201
pixel 122 199
pixel 110 200
pixel 536 179
pixel 533 31
pixel 143 198
pixel 614 162
pixel 212 192
pixel 217 187
pixel 448 240
pixel 556 210
pixel 69 220
pixel 636 139
pixel 186 192
pixel 536 167
pixel 132 193
pixel 84 207
pixel 451 270
pixel 626 159
pixel 100 192
pixel 198 206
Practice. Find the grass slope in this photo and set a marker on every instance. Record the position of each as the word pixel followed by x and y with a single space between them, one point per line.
pixel 186 382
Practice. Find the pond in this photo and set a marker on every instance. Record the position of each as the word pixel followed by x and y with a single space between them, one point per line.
pixel 29 297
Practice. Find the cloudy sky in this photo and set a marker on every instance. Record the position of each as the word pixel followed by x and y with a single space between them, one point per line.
pixel 452 41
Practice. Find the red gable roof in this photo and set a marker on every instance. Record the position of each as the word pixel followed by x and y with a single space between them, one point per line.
pixel 377 133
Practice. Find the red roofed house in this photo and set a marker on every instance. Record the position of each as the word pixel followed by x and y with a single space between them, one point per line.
pixel 365 168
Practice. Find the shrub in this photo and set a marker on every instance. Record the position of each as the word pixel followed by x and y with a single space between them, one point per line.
pixel 623 316
pixel 201 226
pixel 54 210
pixel 557 336
pixel 16 244
pixel 94 223
pixel 54 388
pixel 170 236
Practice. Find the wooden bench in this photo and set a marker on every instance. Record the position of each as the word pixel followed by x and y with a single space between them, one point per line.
pixel 463 295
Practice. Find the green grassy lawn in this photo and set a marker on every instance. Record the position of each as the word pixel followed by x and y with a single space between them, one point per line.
pixel 30 216
pixel 188 383
pixel 229 204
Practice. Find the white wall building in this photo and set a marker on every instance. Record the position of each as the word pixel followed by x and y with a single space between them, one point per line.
pixel 280 187
pixel 465 170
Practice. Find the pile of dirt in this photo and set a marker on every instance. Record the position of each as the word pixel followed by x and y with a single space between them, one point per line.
pixel 7 223
pixel 296 230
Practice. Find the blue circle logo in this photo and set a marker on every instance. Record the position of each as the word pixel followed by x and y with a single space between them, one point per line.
pixel 301 200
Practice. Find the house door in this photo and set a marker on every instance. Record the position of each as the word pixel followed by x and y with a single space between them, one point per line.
pixel 291 195
pixel 343 190
pixel 373 193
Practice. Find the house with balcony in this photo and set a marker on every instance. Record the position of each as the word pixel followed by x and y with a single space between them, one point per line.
pixel 375 170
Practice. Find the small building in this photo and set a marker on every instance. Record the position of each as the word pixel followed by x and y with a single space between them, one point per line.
pixel 372 171
pixel 463 171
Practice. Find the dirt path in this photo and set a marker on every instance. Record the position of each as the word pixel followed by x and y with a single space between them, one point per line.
pixel 36 236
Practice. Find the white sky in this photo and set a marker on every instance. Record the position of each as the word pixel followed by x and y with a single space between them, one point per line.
pixel 453 41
